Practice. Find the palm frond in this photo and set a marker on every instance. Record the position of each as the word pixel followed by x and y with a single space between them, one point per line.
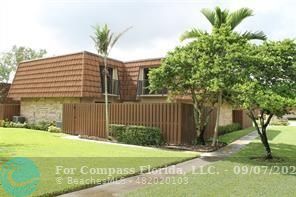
pixel 192 34
pixel 110 40
pixel 224 16
pixel 118 36
pixel 104 39
pixel 219 17
pixel 236 17
pixel 258 35
pixel 101 38
pixel 210 15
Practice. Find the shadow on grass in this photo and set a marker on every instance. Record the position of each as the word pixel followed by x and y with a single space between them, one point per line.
pixel 8 150
pixel 284 155
pixel 272 134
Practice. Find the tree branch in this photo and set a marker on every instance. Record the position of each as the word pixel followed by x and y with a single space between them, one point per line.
pixel 252 116
pixel 268 120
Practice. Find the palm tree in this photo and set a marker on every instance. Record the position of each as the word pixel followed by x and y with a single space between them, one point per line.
pixel 217 18
pixel 104 41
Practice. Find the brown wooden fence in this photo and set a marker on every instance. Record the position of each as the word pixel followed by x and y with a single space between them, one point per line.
pixel 174 119
pixel 241 117
pixel 7 111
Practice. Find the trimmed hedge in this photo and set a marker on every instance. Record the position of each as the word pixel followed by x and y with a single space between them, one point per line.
pixel 54 129
pixel 229 128
pixel 43 126
pixel 14 124
pixel 137 135
pixel 116 130
pixel 280 122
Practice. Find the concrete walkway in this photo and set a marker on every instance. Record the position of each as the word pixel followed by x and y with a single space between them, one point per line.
pixel 292 123
pixel 117 188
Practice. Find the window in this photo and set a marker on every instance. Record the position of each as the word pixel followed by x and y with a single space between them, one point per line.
pixel 112 80
pixel 143 84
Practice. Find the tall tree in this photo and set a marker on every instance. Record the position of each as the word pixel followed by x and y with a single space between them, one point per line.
pixel 10 60
pixel 195 69
pixel 219 18
pixel 104 41
pixel 182 74
pixel 268 87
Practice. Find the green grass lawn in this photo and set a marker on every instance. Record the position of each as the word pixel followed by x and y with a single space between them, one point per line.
pixel 231 137
pixel 50 150
pixel 239 174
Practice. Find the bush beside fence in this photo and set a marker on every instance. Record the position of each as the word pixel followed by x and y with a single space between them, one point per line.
pixel 138 135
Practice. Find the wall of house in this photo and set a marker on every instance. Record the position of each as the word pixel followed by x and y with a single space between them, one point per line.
pixel 247 122
pixel 129 78
pixel 91 87
pixel 225 115
pixel 152 99
pixel 44 109
pixel 111 99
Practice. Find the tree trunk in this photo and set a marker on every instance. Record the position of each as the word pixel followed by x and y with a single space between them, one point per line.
pixel 106 97
pixel 215 137
pixel 262 131
pixel 201 136
pixel 263 136
pixel 198 121
pixel 264 141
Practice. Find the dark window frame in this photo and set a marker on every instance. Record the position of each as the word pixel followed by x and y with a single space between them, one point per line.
pixel 113 84
pixel 143 84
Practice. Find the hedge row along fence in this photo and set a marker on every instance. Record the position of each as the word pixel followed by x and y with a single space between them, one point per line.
pixel 175 120
pixel 7 111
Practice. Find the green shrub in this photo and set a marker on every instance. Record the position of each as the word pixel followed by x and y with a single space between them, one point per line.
pixel 229 128
pixel 291 118
pixel 280 122
pixel 18 125
pixel 117 129
pixel 5 123
pixel 138 135
pixel 10 124
pixel 43 125
pixel 54 129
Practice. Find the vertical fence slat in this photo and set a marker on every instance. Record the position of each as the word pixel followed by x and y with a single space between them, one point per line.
pixel 7 111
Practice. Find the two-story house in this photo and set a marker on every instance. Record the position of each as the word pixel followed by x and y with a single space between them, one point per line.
pixel 44 85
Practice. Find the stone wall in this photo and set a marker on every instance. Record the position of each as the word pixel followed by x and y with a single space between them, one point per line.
pixel 225 115
pixel 44 109
pixel 247 122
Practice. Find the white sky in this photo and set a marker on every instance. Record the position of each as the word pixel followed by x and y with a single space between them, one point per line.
pixel 61 26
